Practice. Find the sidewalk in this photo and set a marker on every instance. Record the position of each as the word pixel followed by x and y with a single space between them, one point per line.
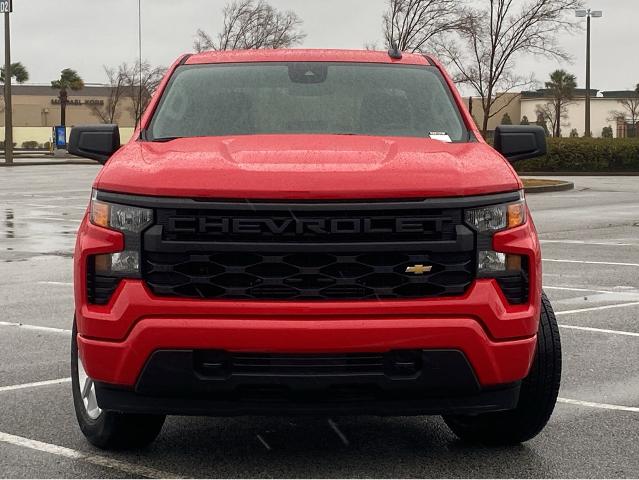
pixel 43 159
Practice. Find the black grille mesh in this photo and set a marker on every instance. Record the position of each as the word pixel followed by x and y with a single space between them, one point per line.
pixel 308 251
pixel 311 275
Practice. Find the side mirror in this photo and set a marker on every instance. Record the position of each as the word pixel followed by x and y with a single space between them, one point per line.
pixel 97 142
pixel 519 142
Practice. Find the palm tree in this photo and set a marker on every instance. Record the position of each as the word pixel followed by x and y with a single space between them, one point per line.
pixel 18 72
pixel 561 88
pixel 69 80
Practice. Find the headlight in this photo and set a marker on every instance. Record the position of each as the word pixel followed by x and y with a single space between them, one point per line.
pixel 119 263
pixel 131 221
pixel 119 217
pixel 490 262
pixel 497 217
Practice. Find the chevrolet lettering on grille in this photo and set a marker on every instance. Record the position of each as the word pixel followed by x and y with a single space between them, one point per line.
pixel 300 226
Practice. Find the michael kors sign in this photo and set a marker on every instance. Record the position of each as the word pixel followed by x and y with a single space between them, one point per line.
pixel 75 101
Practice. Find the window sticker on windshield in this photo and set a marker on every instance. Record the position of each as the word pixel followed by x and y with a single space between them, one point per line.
pixel 441 136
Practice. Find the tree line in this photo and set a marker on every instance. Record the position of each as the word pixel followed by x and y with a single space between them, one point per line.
pixel 136 82
pixel 479 41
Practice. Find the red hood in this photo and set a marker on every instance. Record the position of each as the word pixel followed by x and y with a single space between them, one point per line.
pixel 307 166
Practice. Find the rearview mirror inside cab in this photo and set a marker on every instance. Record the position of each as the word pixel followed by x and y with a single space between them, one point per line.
pixel 519 142
pixel 97 142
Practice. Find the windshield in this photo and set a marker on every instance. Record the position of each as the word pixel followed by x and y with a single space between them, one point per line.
pixel 294 97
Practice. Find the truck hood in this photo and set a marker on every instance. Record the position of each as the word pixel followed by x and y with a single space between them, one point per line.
pixel 307 167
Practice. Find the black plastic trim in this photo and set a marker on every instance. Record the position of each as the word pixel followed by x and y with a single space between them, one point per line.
pixel 153 242
pixel 286 205
pixel 185 59
pixel 187 382
pixel 490 400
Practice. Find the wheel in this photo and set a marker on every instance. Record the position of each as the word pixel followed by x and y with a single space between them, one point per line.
pixel 537 398
pixel 105 429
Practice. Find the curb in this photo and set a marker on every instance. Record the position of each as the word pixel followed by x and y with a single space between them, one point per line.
pixel 52 162
pixel 559 187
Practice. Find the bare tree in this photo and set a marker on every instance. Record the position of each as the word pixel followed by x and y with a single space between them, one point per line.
pixel 140 83
pixel 249 24
pixel 109 112
pixel 483 51
pixel 410 25
pixel 553 114
pixel 630 108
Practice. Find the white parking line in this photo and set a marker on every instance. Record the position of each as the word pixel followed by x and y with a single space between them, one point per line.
pixel 34 327
pixel 601 330
pixel 605 406
pixel 339 433
pixel 592 309
pixel 135 470
pixel 35 384
pixel 263 442
pixel 66 284
pixel 585 242
pixel 573 289
pixel 588 262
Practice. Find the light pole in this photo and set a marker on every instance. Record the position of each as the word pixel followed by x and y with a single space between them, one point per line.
pixel 8 114
pixel 588 14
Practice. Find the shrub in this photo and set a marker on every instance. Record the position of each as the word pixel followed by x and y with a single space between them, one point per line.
pixel 30 145
pixel 574 133
pixel 506 120
pixel 586 155
pixel 606 132
pixel 524 120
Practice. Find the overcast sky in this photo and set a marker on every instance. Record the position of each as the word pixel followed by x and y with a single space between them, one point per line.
pixel 48 35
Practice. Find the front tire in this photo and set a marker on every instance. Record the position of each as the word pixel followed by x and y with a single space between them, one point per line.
pixel 105 429
pixel 537 398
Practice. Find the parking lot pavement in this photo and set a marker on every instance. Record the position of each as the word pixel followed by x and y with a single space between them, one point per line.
pixel 590 239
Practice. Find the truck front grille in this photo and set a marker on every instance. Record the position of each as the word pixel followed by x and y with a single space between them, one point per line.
pixel 308 251
pixel 310 275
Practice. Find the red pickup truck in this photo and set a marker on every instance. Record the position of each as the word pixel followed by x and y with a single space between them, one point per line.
pixel 310 232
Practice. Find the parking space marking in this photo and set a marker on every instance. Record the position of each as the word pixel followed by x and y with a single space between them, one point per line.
pixel 35 384
pixel 112 463
pixel 263 442
pixel 35 327
pixel 66 284
pixel 588 262
pixel 605 406
pixel 601 330
pixel 592 309
pixel 586 242
pixel 339 433
pixel 574 289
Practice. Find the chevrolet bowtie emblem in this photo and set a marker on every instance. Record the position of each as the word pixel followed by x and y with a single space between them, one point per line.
pixel 419 269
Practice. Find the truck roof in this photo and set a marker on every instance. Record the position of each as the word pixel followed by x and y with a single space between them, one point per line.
pixel 303 55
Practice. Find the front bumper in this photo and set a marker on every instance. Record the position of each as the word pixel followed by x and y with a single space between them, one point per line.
pixel 117 340
pixel 404 382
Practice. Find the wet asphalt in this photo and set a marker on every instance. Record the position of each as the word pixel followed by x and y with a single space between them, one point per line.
pixel 590 239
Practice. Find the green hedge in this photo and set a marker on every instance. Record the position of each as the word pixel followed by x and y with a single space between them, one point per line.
pixel 586 155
